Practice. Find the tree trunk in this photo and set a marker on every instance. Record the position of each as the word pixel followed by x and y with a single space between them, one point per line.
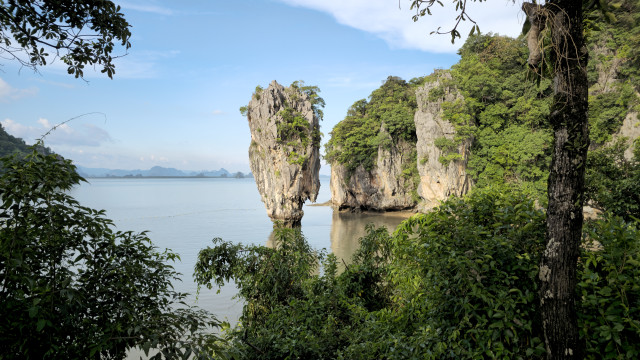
pixel 566 180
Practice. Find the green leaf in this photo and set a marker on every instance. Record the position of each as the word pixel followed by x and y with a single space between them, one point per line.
pixel 41 324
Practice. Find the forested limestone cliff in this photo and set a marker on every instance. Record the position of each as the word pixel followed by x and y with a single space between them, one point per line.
pixel 383 187
pixel 442 169
pixel 284 151
pixel 484 123
pixel 372 151
pixel 630 132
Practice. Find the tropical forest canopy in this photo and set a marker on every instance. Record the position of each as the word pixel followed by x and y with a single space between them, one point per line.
pixel 504 106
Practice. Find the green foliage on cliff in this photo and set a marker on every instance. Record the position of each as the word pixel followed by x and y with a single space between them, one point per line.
pixel 614 42
pixel 293 129
pixel 511 138
pixel 294 132
pixel 613 182
pixel 607 111
pixel 614 67
pixel 356 139
pixel 317 103
pixel 503 110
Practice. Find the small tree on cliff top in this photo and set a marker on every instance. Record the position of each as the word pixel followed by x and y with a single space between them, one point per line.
pixel 557 47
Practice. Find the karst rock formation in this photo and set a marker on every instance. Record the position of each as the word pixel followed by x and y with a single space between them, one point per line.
pixel 382 188
pixel 437 180
pixel 284 152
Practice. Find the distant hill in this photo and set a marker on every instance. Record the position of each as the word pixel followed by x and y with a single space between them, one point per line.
pixel 156 171
pixel 10 145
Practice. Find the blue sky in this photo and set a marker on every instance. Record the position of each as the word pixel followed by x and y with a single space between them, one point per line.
pixel 175 96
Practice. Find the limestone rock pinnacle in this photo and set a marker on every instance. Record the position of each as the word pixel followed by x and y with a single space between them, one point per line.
pixel 284 152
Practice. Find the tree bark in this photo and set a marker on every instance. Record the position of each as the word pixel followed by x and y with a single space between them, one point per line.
pixel 566 180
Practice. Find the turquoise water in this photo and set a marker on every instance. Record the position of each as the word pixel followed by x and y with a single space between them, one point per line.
pixel 184 214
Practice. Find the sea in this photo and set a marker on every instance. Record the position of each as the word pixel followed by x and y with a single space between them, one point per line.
pixel 185 214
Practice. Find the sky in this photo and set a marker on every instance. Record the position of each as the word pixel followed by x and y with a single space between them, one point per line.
pixel 174 99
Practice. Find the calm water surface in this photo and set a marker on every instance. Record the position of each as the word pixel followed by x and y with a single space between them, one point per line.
pixel 184 214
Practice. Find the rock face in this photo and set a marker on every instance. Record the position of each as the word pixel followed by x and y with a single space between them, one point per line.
pixel 284 151
pixel 438 181
pixel 384 188
pixel 631 131
pixel 607 79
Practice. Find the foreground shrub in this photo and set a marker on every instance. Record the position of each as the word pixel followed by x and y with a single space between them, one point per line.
pixel 609 288
pixel 297 306
pixel 72 288
pixel 460 282
pixel 464 279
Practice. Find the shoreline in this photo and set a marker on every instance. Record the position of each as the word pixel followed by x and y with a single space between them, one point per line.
pixel 391 213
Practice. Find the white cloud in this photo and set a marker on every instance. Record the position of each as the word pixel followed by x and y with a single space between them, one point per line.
pixel 132 64
pixel 148 7
pixel 139 64
pixel 65 134
pixel 156 159
pixel 351 81
pixel 8 93
pixel 217 112
pixel 384 19
pixel 15 129
pixel 152 7
pixel 66 85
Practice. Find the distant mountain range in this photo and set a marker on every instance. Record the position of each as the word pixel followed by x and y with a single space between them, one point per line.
pixel 156 171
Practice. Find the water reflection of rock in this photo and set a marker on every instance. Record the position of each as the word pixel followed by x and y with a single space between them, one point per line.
pixel 271 240
pixel 347 228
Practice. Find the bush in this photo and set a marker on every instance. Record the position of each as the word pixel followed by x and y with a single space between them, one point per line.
pixel 609 288
pixel 72 288
pixel 464 284
pixel 295 309
pixel 460 282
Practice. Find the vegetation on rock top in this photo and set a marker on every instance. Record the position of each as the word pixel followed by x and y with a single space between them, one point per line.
pixel 294 131
pixel 383 120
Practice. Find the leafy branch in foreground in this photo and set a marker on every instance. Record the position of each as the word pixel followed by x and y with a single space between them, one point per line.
pixel 71 287
pixel 80 32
